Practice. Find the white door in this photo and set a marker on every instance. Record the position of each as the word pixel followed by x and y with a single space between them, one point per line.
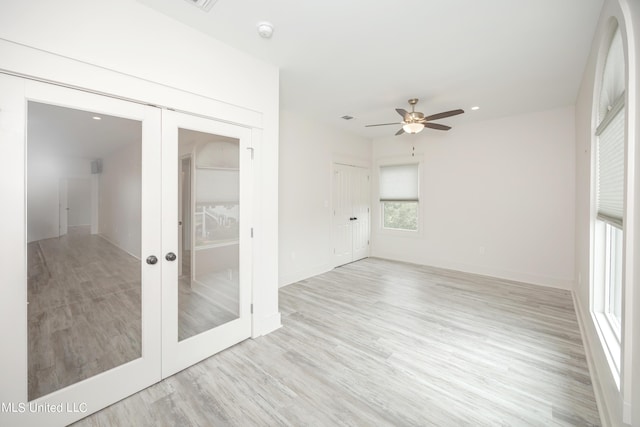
pixel 360 208
pixel 351 214
pixel 81 323
pixel 206 307
pixel 342 215
pixel 63 203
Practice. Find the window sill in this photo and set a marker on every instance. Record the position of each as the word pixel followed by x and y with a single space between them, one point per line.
pixel 610 343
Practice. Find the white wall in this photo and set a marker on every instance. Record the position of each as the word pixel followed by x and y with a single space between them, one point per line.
pixel 496 198
pixel 163 62
pixel 45 174
pixel 307 150
pixel 616 405
pixel 120 186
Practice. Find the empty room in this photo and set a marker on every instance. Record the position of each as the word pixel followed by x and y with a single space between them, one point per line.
pixel 251 213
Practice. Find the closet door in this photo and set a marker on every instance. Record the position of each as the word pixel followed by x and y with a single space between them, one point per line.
pixel 351 225
pixel 360 209
pixel 80 310
pixel 206 238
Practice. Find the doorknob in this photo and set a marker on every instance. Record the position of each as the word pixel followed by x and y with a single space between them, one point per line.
pixel 152 259
pixel 170 256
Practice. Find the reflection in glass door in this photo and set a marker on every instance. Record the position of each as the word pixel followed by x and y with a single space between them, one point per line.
pixel 209 284
pixel 208 287
pixel 83 250
pixel 86 309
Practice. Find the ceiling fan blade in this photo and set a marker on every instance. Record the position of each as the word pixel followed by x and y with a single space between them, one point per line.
pixel 400 132
pixel 402 112
pixel 382 124
pixel 437 126
pixel 443 115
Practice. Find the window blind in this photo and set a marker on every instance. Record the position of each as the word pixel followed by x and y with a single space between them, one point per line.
pixel 613 80
pixel 399 183
pixel 610 169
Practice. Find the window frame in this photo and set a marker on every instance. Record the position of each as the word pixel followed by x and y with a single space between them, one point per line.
pixel 398 161
pixel 605 271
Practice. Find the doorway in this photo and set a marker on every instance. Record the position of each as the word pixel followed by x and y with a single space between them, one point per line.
pixel 101 304
pixel 351 213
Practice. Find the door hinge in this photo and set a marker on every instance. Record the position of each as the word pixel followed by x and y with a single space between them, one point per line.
pixel 251 148
pixel 252 232
pixel 367 242
pixel 251 308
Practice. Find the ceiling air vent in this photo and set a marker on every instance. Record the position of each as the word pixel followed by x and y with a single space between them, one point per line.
pixel 205 5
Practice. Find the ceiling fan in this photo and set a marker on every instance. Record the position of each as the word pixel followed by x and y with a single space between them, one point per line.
pixel 414 121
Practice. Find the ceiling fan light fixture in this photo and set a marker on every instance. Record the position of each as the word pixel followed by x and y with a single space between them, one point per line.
pixel 412 127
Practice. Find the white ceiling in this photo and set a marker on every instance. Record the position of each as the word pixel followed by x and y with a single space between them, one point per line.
pixel 364 58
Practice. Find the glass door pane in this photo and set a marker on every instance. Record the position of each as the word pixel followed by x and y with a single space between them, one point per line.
pixel 83 244
pixel 207 232
pixel 209 204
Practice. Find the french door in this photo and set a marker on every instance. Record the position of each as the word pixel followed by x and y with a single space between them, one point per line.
pixel 101 311
pixel 206 290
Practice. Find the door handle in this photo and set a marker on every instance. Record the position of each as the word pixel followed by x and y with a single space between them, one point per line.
pixel 151 259
pixel 170 256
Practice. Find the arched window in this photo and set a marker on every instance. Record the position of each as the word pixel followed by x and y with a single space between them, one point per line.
pixel 609 179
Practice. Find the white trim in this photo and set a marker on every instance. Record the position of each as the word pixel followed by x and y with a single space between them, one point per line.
pixel 28 62
pixel 593 372
pixel 533 279
pixel 263 325
pixel 303 274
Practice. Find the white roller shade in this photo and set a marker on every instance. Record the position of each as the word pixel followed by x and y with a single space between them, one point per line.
pixel 399 183
pixel 610 169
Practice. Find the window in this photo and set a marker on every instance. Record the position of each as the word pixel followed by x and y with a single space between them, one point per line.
pixel 608 248
pixel 399 196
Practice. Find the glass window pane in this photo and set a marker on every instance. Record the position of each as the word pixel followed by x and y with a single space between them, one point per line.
pixel 400 215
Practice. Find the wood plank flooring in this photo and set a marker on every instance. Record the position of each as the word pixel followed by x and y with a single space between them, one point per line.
pixel 381 343
pixel 84 309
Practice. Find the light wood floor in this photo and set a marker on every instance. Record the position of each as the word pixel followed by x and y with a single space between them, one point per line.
pixel 84 309
pixel 380 343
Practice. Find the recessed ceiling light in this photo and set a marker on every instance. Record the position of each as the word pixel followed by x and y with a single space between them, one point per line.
pixel 475 108
pixel 96 118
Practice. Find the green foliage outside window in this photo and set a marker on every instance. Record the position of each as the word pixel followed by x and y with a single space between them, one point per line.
pixel 400 215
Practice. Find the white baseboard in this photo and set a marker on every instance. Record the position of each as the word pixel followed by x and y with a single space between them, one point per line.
pixel 603 410
pixel 262 325
pixel 297 276
pixel 552 282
